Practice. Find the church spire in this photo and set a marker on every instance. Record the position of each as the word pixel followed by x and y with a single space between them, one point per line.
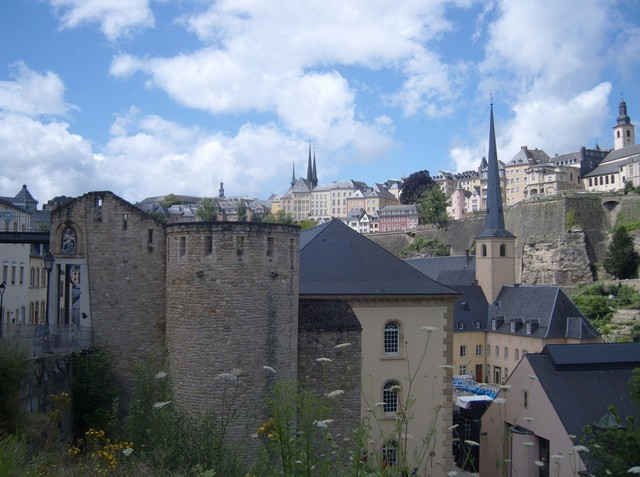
pixel 494 223
pixel 309 168
pixel 293 174
pixel 314 171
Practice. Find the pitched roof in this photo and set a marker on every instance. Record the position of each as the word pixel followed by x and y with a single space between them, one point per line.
pixel 574 373
pixel 452 270
pixel 327 315
pixel 336 260
pixel 24 195
pixel 548 306
pixel 398 210
pixel 627 151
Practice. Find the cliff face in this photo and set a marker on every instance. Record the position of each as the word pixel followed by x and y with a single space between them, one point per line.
pixel 559 239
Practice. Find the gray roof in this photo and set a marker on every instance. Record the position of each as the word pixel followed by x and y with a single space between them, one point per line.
pixel 456 270
pixel 404 209
pixel 547 306
pixel 605 168
pixel 628 151
pixel 336 260
pixel 582 380
pixel 529 156
pixel 24 195
pixel 494 223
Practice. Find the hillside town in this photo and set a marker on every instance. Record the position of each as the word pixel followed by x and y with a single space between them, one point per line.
pixel 266 264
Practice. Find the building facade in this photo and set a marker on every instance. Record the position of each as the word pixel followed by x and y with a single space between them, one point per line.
pixel 398 218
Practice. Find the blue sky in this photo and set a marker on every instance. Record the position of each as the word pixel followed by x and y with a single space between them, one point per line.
pixel 147 97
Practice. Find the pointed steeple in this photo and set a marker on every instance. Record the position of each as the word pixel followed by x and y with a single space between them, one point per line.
pixel 494 223
pixel 314 171
pixel 309 168
pixel 293 174
pixel 623 117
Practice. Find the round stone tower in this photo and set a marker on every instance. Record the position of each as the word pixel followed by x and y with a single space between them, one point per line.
pixel 232 309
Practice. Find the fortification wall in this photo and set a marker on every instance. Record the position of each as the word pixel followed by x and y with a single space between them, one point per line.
pixel 123 250
pixel 232 308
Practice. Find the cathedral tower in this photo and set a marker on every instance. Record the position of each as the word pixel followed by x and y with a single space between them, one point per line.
pixel 624 133
pixel 495 246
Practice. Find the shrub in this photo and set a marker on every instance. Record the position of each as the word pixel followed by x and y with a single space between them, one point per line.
pixel 622 260
pixel 13 369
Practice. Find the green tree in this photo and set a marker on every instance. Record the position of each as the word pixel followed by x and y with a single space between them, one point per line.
pixel 614 443
pixel 622 260
pixel 169 200
pixel 414 186
pixel 432 207
pixel 13 369
pixel 280 217
pixel 207 212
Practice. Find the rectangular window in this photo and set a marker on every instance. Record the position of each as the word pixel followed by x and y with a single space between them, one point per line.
pixel 4 273
pixel 269 246
pixel 463 350
pixel 150 237
pixel 497 351
pixel 497 375
pixel 125 221
pixel 21 274
pixel 13 275
pixel 506 352
pixel 613 179
pixel 292 251
pixel 239 246
pixel 182 247
pixel 208 245
pixel 525 399
pixel 463 369
pixel 606 179
pixel 479 350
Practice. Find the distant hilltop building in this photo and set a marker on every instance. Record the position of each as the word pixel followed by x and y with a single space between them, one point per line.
pixel 20 213
pixel 620 166
pixel 307 200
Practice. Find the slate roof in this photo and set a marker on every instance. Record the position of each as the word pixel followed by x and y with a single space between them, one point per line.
pixel 327 315
pixel 458 272
pixel 548 307
pixel 398 210
pixel 24 195
pixel 603 168
pixel 336 260
pixel 582 380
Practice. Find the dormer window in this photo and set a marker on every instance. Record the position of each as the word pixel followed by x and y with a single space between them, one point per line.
pixel 476 324
pixel 513 326
pixel 461 325
pixel 494 324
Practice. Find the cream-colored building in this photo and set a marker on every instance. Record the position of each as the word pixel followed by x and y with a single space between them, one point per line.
pixel 550 179
pixel 371 200
pixel 517 172
pixel 406 347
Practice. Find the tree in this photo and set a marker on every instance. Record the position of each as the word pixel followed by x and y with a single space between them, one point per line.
pixel 208 211
pixel 169 200
pixel 622 260
pixel 414 186
pixel 614 443
pixel 432 207
pixel 280 217
pixel 242 212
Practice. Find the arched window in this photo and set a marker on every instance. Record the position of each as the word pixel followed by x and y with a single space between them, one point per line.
pixel 503 250
pixel 618 133
pixel 69 241
pixel 484 250
pixel 390 396
pixel 390 454
pixel 628 133
pixel 392 338
pixel 36 312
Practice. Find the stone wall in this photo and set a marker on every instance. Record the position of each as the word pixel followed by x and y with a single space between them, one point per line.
pixel 232 308
pixel 124 250
pixel 323 325
pixel 562 261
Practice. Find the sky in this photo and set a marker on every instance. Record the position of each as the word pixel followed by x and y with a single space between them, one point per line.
pixel 150 97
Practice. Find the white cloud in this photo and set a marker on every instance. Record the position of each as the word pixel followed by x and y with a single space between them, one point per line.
pixel 32 93
pixel 284 60
pixel 116 17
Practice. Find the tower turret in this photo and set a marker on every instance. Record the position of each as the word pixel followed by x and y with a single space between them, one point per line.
pixel 293 174
pixel 624 133
pixel 309 168
pixel 495 246
pixel 314 171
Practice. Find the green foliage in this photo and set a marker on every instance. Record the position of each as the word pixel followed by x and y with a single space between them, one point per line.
pixel 570 219
pixel 630 226
pixel 423 246
pixel 279 217
pixel 13 369
pixel 94 391
pixel 15 460
pixel 622 260
pixel 242 212
pixel 598 302
pixel 208 210
pixel 432 207
pixel 614 449
pixel 158 216
pixel 169 200
pixel 306 224
pixel 414 186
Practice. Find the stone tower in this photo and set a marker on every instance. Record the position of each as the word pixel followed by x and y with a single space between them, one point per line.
pixel 624 133
pixel 495 246
pixel 232 308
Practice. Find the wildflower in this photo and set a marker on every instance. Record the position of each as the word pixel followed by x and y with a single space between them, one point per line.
pixel 128 451
pixel 580 448
pixel 161 404
pixel 335 393
pixel 324 360
pixel 298 462
pixel 634 470
pixel 507 461
pixel 572 436
pixel 471 443
pixel 270 369
pixel 527 444
pixel 499 400
pixel 539 463
pixel 160 375
pixel 429 329
pixel 528 419
pixel 342 345
pixel 254 435
pixel 505 387
pixel 446 366
pixel 323 424
pixel 455 426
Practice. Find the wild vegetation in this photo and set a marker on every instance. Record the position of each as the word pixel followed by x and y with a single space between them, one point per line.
pixel 421 247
